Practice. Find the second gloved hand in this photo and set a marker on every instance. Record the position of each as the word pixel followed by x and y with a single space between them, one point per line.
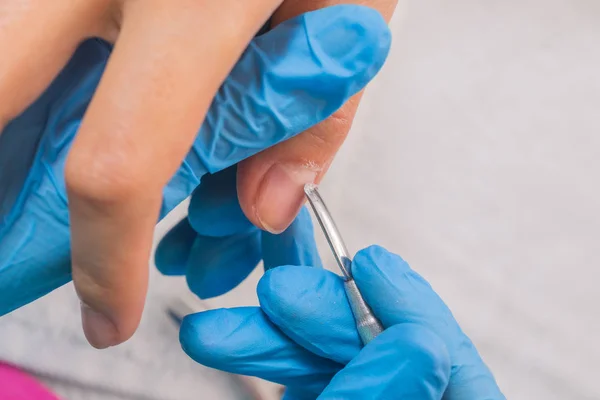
pixel 304 334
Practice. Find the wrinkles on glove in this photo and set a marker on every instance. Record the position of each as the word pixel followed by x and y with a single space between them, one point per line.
pixel 288 80
pixel 305 69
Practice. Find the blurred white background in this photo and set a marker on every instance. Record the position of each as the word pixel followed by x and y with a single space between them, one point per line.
pixel 475 155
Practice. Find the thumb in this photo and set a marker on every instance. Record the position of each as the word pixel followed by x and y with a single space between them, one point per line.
pixel 270 184
pixel 287 81
pixel 405 362
pixel 382 276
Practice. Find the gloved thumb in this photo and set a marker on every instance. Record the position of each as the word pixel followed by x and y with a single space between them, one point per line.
pixel 406 362
pixel 399 295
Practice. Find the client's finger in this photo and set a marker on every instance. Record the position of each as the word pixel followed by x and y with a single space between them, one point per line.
pixel 271 183
pixel 312 69
pixel 142 121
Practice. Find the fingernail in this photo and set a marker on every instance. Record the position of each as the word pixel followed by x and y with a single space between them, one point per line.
pixel 99 330
pixel 281 195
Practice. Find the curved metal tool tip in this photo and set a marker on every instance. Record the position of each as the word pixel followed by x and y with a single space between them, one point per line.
pixel 332 234
pixel 310 188
pixel 367 324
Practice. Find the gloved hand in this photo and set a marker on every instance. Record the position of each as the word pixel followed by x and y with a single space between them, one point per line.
pixel 285 82
pixel 216 247
pixel 304 337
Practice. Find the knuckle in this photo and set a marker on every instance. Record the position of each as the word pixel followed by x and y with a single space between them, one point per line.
pixel 342 119
pixel 91 290
pixel 323 141
pixel 331 133
pixel 102 179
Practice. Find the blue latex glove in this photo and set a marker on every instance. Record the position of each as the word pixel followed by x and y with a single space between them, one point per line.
pixel 216 247
pixel 303 336
pixel 288 80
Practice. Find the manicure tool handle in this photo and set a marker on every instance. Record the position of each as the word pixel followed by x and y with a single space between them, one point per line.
pixel 367 324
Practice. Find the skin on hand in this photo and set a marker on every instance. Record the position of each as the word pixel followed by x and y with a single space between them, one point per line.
pixel 125 151
pixel 271 183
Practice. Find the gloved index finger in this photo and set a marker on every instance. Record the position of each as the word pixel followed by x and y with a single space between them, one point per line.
pixel 310 306
pixel 244 341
